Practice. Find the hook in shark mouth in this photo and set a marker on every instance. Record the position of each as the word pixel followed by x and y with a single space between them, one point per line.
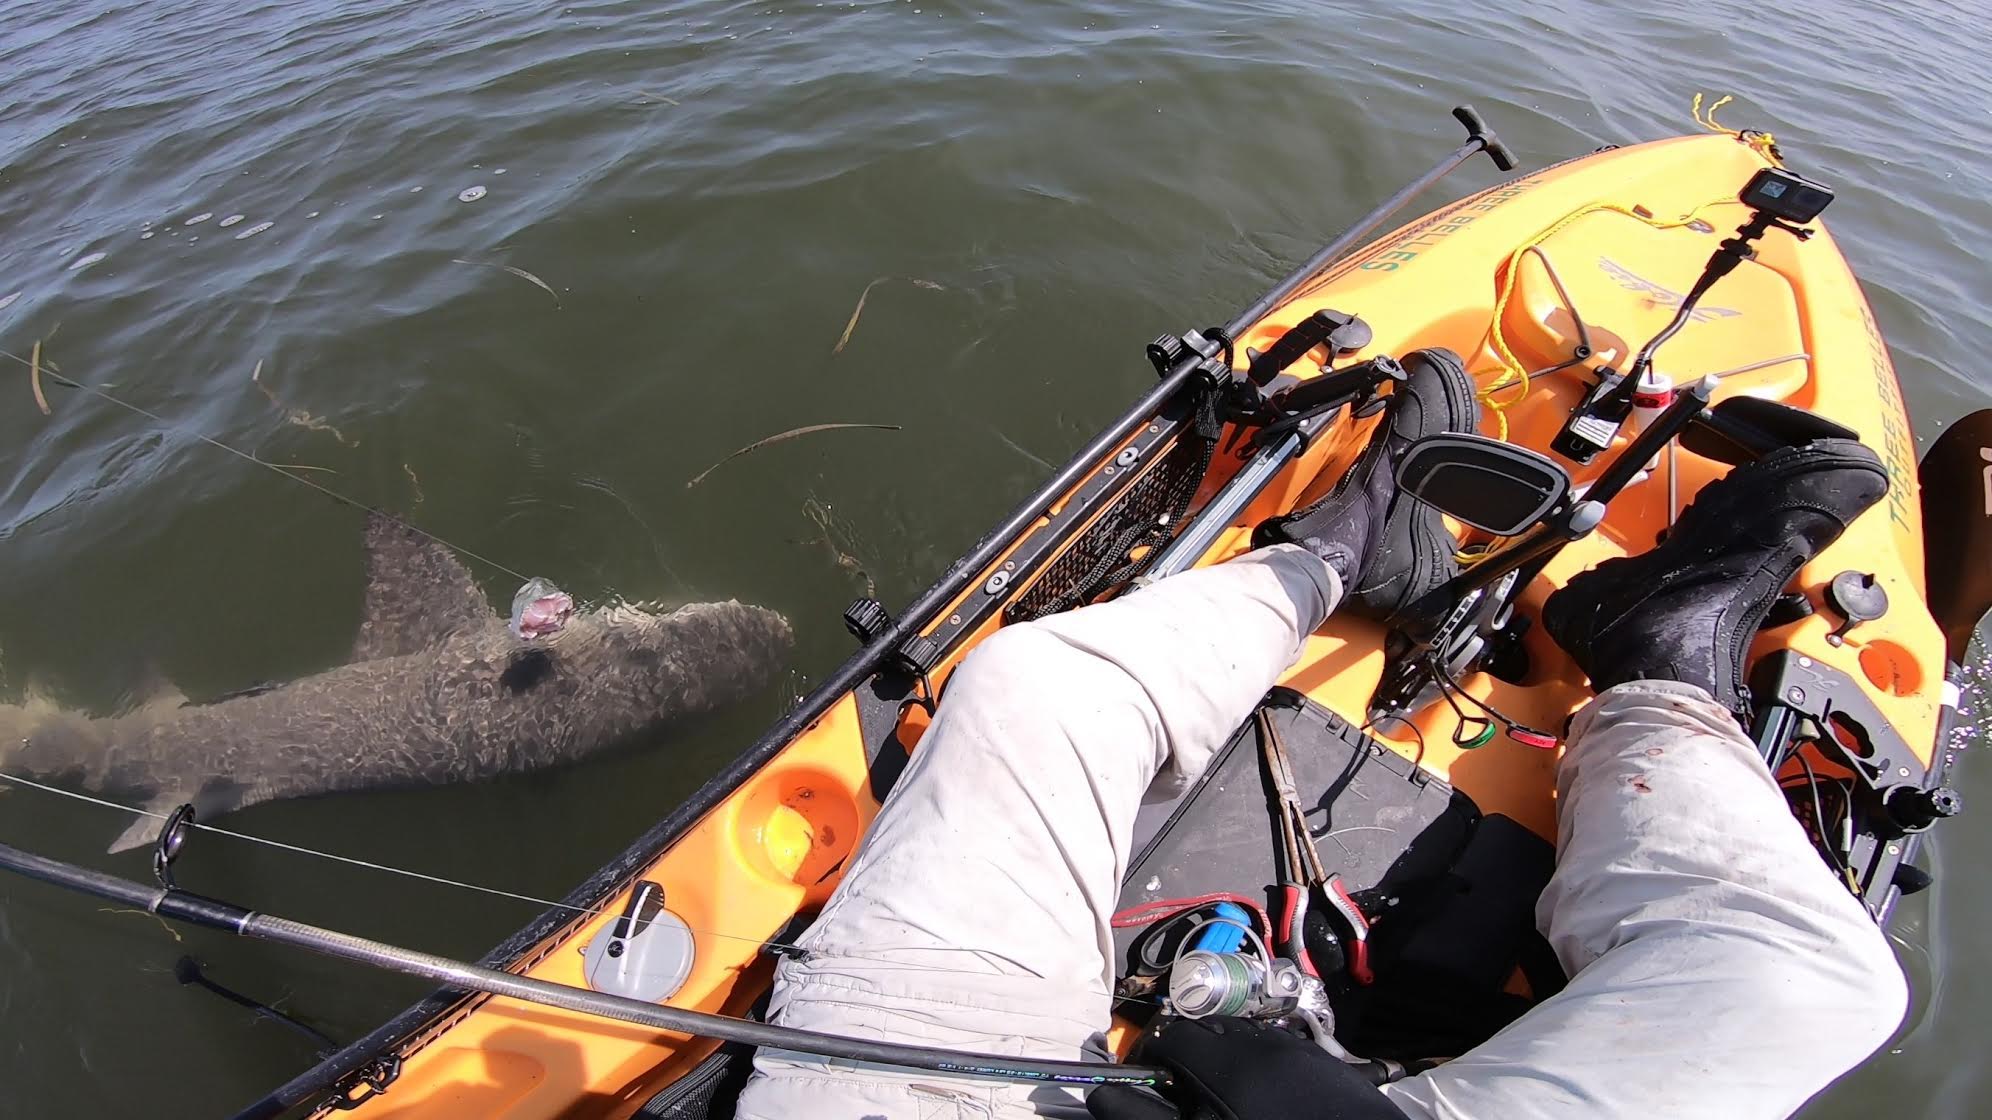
pixel 540 610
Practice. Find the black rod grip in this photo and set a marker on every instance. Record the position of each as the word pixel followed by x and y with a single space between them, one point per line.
pixel 1490 140
pixel 199 910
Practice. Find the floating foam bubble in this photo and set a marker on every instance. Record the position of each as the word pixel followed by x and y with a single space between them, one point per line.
pixel 499 171
pixel 313 214
pixel 254 230
pixel 197 219
pixel 230 220
pixel 7 301
pixel 1973 720
pixel 414 190
pixel 86 260
pixel 146 236
pixel 470 194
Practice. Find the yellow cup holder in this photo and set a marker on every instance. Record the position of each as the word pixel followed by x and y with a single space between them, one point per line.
pixel 799 826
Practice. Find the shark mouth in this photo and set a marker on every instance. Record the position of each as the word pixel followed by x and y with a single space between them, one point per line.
pixel 540 610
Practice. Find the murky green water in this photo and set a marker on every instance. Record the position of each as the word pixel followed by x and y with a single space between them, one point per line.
pixel 1037 190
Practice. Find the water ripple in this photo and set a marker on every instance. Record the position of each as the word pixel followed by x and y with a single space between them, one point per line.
pixel 192 192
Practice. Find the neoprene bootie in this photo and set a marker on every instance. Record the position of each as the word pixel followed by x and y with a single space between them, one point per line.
pixel 1388 547
pixel 1688 609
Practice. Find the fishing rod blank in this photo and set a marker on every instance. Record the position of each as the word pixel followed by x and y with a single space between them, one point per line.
pixel 194 909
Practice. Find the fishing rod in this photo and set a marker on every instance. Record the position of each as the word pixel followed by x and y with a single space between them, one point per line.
pixel 1245 486
pixel 1479 138
pixel 183 906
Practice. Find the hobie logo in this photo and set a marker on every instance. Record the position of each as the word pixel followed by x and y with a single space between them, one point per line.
pixel 1665 297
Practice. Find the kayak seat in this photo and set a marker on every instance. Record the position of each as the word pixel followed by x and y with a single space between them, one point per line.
pixel 1625 279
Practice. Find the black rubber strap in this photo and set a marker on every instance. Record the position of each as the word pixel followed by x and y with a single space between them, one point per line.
pixel 1294 344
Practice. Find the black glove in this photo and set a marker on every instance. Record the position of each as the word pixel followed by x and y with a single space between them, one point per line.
pixel 1243 1069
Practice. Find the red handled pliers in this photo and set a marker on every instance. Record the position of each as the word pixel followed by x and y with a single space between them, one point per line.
pixel 1302 872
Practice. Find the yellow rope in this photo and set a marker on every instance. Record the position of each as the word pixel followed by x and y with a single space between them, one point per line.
pixel 1708 121
pixel 1518 375
pixel 1763 143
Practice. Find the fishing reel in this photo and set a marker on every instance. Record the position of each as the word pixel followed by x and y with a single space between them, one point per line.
pixel 1210 959
pixel 1226 969
pixel 1204 983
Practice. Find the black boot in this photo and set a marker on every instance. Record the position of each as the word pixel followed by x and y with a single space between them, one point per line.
pixel 1687 610
pixel 1388 547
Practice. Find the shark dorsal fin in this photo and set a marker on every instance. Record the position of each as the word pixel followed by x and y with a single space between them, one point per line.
pixel 418 592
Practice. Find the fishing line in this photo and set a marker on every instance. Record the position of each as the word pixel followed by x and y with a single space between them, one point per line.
pixel 783 947
pixel 245 456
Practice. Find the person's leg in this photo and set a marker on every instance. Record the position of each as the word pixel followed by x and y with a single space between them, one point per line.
pixel 975 915
pixel 1718 968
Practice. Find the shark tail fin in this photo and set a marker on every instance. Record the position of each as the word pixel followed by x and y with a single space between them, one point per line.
pixel 143 831
pixel 146 830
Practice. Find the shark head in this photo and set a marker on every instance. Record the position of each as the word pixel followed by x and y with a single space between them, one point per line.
pixel 623 668
pixel 556 679
pixel 545 615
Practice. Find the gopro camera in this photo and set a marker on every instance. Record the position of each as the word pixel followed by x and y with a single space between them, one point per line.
pixel 1781 194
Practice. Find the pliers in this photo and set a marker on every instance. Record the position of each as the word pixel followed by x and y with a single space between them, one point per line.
pixel 1301 871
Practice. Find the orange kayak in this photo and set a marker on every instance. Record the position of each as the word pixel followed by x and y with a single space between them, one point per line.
pixel 1547 284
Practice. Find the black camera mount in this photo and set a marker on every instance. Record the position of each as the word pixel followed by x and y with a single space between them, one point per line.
pixel 1778 199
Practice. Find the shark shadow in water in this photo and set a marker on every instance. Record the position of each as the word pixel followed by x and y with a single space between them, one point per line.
pixel 438 691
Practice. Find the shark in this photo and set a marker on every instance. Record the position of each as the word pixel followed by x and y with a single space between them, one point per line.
pixel 438 689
